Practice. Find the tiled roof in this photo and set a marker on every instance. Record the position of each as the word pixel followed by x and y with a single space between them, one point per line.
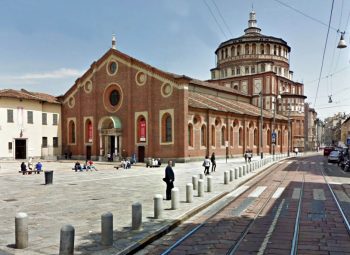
pixel 211 102
pixel 24 94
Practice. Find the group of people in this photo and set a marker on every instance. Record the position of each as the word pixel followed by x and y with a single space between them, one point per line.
pixel 209 162
pixel 88 165
pixel 248 154
pixel 125 163
pixel 31 167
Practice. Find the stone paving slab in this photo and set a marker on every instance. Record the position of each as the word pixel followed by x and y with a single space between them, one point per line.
pixel 79 198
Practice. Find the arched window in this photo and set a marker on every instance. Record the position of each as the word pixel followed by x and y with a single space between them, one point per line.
pixel 203 135
pixel 232 51
pixel 213 135
pixel 248 137
pixel 274 50
pixel 279 138
pixel 268 49
pixel 240 136
pixel 254 48
pixel 190 135
pixel 88 131
pixel 238 50
pixel 141 129
pixel 71 135
pixel 262 49
pixel 246 49
pixel 167 132
pixel 255 137
pixel 223 135
pixel 231 136
pixel 262 67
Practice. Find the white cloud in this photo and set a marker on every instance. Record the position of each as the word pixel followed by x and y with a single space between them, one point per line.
pixel 28 78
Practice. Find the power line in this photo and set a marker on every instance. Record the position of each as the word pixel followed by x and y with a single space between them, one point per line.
pixel 328 75
pixel 217 8
pixel 304 14
pixel 217 23
pixel 324 51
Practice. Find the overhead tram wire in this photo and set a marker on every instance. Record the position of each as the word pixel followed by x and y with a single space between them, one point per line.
pixel 304 14
pixel 216 21
pixel 218 10
pixel 324 52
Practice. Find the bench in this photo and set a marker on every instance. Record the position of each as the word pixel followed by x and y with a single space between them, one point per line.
pixel 29 172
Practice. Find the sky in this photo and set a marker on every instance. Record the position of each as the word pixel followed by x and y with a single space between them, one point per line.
pixel 45 45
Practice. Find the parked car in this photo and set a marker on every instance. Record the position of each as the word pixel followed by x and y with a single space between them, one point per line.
pixel 334 156
pixel 327 150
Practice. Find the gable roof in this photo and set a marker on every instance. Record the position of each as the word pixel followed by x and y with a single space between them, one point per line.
pixel 24 94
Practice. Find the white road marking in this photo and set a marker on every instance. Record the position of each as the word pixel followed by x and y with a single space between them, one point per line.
pixel 318 194
pixel 239 191
pixel 278 192
pixel 296 193
pixel 257 192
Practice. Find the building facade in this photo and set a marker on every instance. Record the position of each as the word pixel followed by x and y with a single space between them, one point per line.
pixel 30 125
pixel 122 106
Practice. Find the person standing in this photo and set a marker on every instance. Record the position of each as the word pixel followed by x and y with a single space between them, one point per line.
pixel 213 162
pixel 169 179
pixel 206 165
pixel 250 155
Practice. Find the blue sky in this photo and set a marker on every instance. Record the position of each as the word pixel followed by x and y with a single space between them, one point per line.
pixel 46 45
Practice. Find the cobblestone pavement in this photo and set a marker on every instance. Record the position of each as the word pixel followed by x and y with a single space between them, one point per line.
pixel 79 199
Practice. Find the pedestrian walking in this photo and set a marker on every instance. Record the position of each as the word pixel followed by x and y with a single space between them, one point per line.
pixel 169 179
pixel 250 155
pixel 246 155
pixel 206 164
pixel 213 162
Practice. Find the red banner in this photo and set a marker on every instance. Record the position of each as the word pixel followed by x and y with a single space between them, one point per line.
pixel 90 132
pixel 142 130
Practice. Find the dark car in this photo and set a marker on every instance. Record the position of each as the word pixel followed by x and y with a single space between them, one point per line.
pixel 334 156
pixel 327 150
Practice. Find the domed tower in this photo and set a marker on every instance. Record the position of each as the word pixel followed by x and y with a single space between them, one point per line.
pixel 254 63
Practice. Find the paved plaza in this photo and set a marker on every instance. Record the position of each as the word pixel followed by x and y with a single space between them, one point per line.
pixel 79 199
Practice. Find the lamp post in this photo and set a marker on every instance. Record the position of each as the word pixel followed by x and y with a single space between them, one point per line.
pixel 289 109
pixel 261 125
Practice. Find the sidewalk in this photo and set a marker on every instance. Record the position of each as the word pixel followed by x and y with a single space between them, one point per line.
pixel 79 199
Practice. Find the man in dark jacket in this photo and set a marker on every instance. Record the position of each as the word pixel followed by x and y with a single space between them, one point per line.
pixel 169 179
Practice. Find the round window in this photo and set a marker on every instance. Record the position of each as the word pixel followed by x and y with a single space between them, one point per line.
pixel 112 67
pixel 114 97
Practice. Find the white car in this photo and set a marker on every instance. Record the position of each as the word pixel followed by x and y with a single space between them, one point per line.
pixel 334 156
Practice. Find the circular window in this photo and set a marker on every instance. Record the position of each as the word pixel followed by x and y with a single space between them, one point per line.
pixel 112 67
pixel 166 89
pixel 141 78
pixel 71 102
pixel 114 97
pixel 88 86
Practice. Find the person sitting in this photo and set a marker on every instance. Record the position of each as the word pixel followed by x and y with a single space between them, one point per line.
pixel 77 166
pixel 91 165
pixel 128 164
pixel 38 167
pixel 23 168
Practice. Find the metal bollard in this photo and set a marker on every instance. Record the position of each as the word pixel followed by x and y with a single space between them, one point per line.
pixel 136 216
pixel 107 229
pixel 21 230
pixel 209 184
pixel 175 198
pixel 231 175
pixel 189 192
pixel 236 173
pixel 158 206
pixel 226 177
pixel 201 176
pixel 67 240
pixel 195 181
pixel 201 188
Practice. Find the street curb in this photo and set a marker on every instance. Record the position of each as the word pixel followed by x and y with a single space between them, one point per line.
pixel 169 227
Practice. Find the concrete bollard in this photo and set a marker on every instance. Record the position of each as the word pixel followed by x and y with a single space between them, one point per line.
pixel 240 171
pixel 201 188
pixel 107 229
pixel 136 216
pixel 243 170
pixel 236 173
pixel 67 240
pixel 189 192
pixel 209 184
pixel 21 230
pixel 226 177
pixel 231 175
pixel 201 176
pixel 158 206
pixel 175 201
pixel 194 182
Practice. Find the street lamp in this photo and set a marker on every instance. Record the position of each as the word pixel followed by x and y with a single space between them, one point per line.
pixel 289 109
pixel 275 101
